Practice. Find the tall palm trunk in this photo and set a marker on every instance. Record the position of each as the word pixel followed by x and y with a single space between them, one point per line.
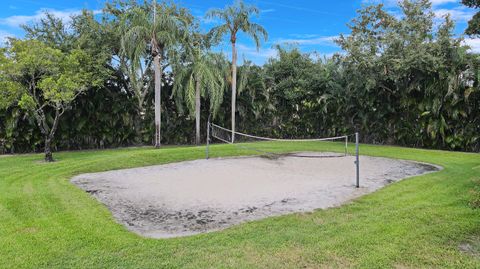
pixel 138 124
pixel 234 87
pixel 197 111
pixel 158 92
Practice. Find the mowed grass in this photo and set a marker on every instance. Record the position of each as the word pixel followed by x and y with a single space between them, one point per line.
pixel 424 221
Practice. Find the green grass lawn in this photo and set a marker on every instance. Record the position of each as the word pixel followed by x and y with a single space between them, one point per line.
pixel 425 221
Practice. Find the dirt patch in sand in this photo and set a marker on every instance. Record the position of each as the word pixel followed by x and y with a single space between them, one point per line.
pixel 186 198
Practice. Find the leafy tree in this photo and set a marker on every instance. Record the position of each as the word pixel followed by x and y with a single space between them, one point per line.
pixel 288 77
pixel 474 24
pixel 236 17
pixel 39 78
pixel 52 31
pixel 156 27
pixel 407 77
pixel 255 105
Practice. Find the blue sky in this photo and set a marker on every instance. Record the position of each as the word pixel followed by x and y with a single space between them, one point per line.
pixel 310 24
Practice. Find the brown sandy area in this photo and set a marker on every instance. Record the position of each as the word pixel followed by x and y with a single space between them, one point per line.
pixel 199 196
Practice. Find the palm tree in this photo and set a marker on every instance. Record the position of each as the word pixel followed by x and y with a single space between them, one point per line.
pixel 201 74
pixel 153 30
pixel 236 17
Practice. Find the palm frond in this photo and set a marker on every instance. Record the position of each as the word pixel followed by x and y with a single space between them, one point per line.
pixel 257 32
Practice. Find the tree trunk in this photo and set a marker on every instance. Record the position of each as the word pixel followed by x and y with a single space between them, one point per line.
pixel 197 111
pixel 158 91
pixel 48 150
pixel 50 135
pixel 234 88
pixel 138 125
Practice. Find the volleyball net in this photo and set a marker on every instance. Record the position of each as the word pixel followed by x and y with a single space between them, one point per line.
pixel 275 148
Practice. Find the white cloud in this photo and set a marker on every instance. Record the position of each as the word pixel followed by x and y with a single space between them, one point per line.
pixel 206 20
pixel 303 36
pixel 473 43
pixel 267 10
pixel 262 53
pixel 18 20
pixel 442 2
pixel 248 52
pixel 305 8
pixel 4 35
pixel 391 3
pixel 457 14
pixel 310 40
pixel 387 3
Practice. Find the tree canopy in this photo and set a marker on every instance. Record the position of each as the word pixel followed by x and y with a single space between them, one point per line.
pixel 474 23
pixel 41 78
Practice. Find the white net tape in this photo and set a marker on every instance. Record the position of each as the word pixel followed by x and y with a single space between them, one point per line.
pixel 214 126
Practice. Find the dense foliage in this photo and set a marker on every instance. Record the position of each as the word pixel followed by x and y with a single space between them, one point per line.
pixel 473 28
pixel 404 80
pixel 38 78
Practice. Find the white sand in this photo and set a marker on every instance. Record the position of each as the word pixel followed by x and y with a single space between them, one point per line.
pixel 204 195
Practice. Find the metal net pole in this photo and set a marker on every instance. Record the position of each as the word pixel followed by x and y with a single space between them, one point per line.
pixel 208 139
pixel 346 146
pixel 357 159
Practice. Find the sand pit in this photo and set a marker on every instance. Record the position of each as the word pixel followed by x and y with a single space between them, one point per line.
pixel 199 196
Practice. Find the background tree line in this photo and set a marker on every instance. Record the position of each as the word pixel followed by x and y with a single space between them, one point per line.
pixel 405 80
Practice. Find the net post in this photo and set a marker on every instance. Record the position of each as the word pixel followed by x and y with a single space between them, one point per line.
pixel 357 159
pixel 208 139
pixel 346 146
